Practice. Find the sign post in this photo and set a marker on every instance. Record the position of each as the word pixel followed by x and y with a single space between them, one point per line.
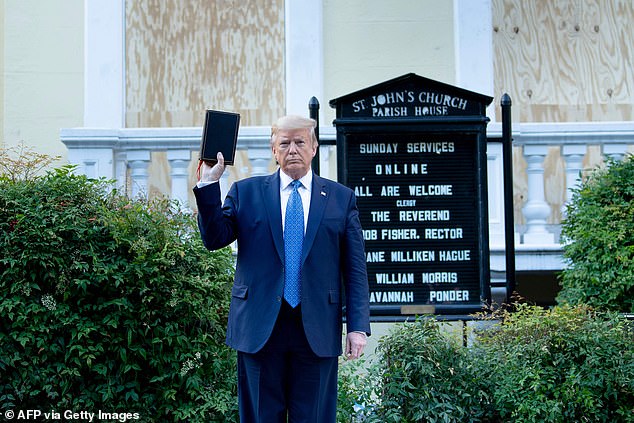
pixel 414 152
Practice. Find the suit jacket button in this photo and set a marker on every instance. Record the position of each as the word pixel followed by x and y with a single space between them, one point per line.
pixel 279 299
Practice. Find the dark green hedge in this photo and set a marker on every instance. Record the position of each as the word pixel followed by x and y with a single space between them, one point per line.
pixel 598 237
pixel 568 364
pixel 110 304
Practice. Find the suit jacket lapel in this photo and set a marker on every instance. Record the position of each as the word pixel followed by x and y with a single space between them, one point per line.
pixel 318 201
pixel 271 190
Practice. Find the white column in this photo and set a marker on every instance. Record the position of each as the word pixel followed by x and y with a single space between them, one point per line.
pixel 573 156
pixel 304 54
pixel 121 170
pixel 536 210
pixel 259 157
pixel 179 166
pixel 473 27
pixel 615 151
pixel 138 161
pixel 104 53
pixel 324 160
pixel 495 189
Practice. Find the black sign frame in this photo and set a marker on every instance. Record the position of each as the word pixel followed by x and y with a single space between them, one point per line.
pixel 453 139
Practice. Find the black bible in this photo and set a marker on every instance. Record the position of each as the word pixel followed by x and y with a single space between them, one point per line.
pixel 220 134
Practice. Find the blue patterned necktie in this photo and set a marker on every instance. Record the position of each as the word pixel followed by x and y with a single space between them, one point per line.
pixel 293 242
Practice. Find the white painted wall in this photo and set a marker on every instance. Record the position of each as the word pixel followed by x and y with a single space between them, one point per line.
pixel 41 71
pixel 304 54
pixel 104 51
pixel 367 42
pixel 474 48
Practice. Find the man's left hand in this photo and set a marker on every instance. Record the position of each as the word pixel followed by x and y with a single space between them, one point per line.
pixel 355 343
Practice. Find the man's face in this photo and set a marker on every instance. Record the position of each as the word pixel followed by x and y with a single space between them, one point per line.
pixel 294 150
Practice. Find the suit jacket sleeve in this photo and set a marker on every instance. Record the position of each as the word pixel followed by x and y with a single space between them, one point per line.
pixel 355 273
pixel 217 224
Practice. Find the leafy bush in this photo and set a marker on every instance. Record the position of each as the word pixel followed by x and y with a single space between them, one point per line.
pixel 598 235
pixel 110 304
pixel 419 375
pixel 427 377
pixel 568 364
pixel 357 395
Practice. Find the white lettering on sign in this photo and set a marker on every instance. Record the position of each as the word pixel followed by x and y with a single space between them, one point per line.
pixel 392 97
pixel 405 203
pixel 412 256
pixel 380 216
pixel 427 213
pixel 375 257
pixel 425 190
pixel 442 100
pixel 370 234
pixel 457 295
pixel 394 278
pixel 401 169
pixel 390 191
pixel 454 255
pixel 398 234
pixel 426 103
pixel 381 148
pixel 423 215
pixel 437 147
pixel 431 111
pixel 389 111
pixel 359 105
pixel 407 96
pixel 443 233
pixel 362 191
pixel 392 297
pixel 440 277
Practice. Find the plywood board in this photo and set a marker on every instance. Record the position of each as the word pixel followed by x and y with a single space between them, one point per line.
pixel 184 56
pixel 566 60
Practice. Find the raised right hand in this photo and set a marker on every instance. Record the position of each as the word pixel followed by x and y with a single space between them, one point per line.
pixel 213 173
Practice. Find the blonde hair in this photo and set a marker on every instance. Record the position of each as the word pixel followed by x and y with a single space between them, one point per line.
pixel 292 122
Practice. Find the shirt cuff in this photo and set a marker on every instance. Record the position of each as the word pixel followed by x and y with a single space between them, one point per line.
pixel 202 184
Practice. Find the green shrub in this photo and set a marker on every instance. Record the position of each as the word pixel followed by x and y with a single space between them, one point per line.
pixel 423 377
pixel 357 395
pixel 110 304
pixel 568 364
pixel 598 236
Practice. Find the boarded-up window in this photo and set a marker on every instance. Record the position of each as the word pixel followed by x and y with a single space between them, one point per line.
pixel 567 60
pixel 184 56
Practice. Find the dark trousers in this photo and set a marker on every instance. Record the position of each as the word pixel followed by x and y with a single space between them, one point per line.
pixel 285 380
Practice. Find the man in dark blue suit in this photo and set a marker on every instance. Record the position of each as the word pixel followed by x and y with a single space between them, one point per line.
pixel 300 256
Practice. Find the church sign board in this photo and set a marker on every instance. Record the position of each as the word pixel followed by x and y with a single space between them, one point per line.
pixel 414 152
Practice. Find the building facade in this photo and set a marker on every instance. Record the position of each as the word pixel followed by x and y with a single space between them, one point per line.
pixel 119 87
